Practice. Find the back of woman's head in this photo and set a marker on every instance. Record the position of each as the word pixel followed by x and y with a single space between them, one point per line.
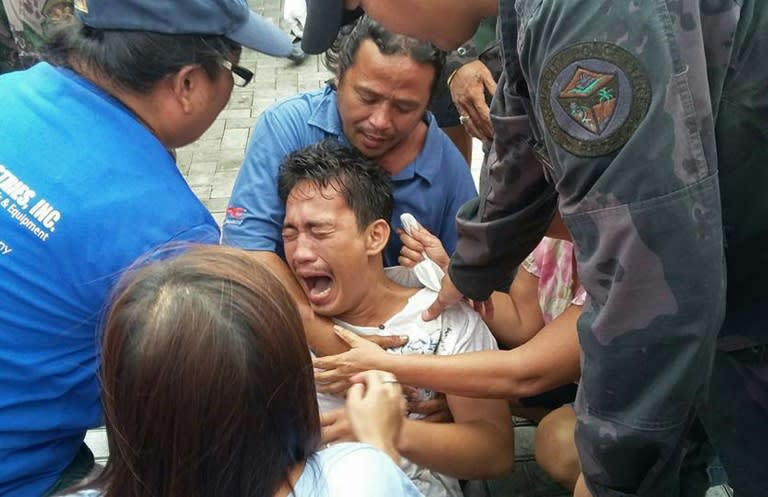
pixel 207 380
pixel 135 60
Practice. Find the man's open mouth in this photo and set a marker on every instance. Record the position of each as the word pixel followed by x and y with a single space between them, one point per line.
pixel 318 286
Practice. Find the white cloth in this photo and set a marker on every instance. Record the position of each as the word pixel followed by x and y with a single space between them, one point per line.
pixel 343 470
pixel 459 329
pixel 295 14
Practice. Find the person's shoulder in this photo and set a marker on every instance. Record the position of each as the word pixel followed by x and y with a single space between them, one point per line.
pixel 349 451
pixel 356 469
pixel 302 105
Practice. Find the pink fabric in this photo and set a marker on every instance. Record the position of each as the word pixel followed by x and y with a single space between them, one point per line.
pixel 552 262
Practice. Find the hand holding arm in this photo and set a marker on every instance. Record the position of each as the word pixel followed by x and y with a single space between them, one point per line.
pixel 549 359
pixel 336 371
pixel 376 410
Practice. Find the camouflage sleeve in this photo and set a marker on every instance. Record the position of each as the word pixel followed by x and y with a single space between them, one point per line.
pixel 621 93
pixel 499 228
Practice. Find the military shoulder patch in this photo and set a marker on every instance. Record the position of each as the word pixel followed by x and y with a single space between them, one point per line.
pixel 592 97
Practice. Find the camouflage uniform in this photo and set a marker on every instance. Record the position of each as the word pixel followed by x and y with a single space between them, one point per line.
pixel 24 29
pixel 646 122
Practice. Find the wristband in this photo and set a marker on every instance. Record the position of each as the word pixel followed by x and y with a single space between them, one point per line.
pixel 450 77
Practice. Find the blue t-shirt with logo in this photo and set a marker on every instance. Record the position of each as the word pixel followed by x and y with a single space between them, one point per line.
pixel 85 189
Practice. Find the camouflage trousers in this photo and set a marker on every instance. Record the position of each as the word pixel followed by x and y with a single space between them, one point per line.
pixel 736 418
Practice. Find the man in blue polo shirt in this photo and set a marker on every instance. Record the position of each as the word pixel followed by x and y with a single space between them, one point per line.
pixel 87 186
pixel 384 82
pixel 379 106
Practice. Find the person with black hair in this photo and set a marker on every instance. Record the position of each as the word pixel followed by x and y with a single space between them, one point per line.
pixel 337 206
pixel 87 184
pixel 378 104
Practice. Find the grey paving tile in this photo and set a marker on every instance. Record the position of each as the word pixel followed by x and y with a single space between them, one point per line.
pixel 227 113
pixel 215 131
pixel 235 138
pixel 216 155
pixel 240 100
pixel 222 184
pixel 203 169
pixel 240 122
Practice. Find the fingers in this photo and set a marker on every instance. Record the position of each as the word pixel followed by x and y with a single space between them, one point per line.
pixel 488 82
pixel 488 309
pixel 483 307
pixel 410 241
pixel 479 123
pixel 387 342
pixel 335 427
pixel 409 257
pixel 409 391
pixel 370 385
pixel 337 388
pixel 375 408
pixel 328 364
pixel 356 391
pixel 479 114
pixel 448 296
pixel 434 310
pixel 352 339
pixel 424 238
pixel 472 103
pixel 329 417
pixel 375 376
pixel 427 407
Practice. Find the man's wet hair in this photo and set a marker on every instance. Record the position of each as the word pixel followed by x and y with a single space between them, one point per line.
pixel 342 54
pixel 364 185
pixel 136 60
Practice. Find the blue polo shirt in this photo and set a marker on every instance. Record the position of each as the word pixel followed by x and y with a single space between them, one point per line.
pixel 432 187
pixel 85 189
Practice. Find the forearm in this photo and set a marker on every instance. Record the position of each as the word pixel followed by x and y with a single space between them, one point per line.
pixel 500 228
pixel 318 329
pixel 488 374
pixel 470 450
pixel 517 314
pixel 549 359
pixel 506 323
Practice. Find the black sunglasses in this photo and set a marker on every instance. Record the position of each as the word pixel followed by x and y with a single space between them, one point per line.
pixel 240 75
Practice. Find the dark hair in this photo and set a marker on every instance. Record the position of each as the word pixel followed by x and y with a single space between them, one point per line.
pixel 136 60
pixel 208 386
pixel 365 186
pixel 341 56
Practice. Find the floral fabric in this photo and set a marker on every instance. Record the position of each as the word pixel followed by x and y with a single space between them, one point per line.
pixel 553 264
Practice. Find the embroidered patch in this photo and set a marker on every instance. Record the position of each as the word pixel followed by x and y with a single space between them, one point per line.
pixel 592 98
pixel 235 215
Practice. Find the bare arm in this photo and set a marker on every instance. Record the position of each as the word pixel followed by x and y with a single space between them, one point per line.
pixel 517 316
pixel 549 359
pixel 479 444
pixel 319 330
